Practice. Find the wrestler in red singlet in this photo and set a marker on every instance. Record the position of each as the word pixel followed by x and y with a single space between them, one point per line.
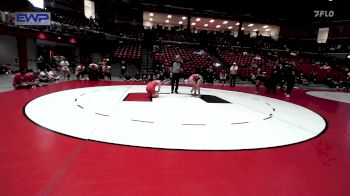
pixel 151 87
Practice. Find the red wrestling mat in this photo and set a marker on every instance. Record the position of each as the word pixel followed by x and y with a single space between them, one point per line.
pixel 37 161
pixel 138 97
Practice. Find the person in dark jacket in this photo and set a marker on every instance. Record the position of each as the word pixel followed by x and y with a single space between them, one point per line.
pixel 290 79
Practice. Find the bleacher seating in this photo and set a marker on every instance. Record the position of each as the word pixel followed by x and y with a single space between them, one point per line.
pixel 166 54
pixel 130 52
pixel 322 74
pixel 240 59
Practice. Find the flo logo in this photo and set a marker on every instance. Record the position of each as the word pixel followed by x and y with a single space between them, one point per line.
pixel 323 13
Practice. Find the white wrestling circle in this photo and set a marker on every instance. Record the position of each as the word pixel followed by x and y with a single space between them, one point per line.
pixel 175 121
pixel 329 95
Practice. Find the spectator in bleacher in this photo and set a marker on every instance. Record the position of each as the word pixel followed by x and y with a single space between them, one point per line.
pixel 233 74
pixel 155 48
pixel 200 52
pixel 175 74
pixel 326 67
pixel 160 77
pixel 137 77
pixel 127 77
pixel 144 77
pixel 80 71
pixel 150 77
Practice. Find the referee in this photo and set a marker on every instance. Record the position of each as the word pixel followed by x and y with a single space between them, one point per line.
pixel 175 73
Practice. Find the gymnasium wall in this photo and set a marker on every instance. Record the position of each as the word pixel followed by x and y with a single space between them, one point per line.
pixel 8 49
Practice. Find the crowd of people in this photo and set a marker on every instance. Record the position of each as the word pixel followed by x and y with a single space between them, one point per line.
pixel 283 75
pixel 49 73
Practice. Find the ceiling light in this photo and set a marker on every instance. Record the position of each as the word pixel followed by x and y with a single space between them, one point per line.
pixel 265 26
pixel 151 14
pixel 250 25
pixel 184 18
pixel 242 28
pixel 193 23
pixel 225 22
pixel 198 19
pixel 169 16
pixel 267 29
pixel 237 23
pixel 180 22
pixel 151 19
pixel 255 30
pixel 218 26
pixel 211 21
pixel 205 25
pixel 167 21
pixel 37 3
pixel 230 27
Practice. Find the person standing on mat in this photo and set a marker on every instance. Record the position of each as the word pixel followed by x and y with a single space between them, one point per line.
pixel 196 81
pixel 153 88
pixel 233 74
pixel 290 79
pixel 259 79
pixel 175 74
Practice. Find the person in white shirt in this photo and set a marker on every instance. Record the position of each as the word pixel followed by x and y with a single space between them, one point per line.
pixel 233 74
pixel 64 63
pixel 80 71
pixel 66 72
pixel 53 75
pixel 106 70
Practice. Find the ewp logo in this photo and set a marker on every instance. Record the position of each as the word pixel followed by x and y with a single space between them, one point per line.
pixel 33 18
